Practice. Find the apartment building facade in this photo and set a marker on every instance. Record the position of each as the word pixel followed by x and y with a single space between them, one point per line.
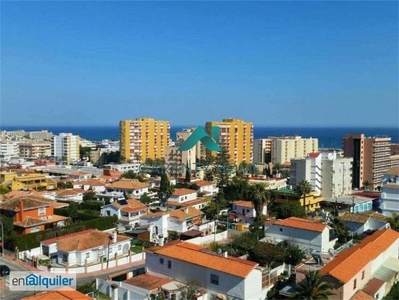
pixel 40 135
pixel 66 146
pixel 286 148
pixel 34 149
pixel 8 149
pixel 371 158
pixel 329 175
pixel 262 151
pixel 236 137
pixel 144 138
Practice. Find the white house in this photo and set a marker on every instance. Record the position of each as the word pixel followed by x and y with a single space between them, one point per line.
pixel 186 197
pixel 244 211
pixel 132 188
pixel 94 185
pixel 223 277
pixel 128 211
pixel 86 247
pixel 180 220
pixel 70 195
pixel 156 182
pixel 306 234
pixel 365 221
pixel 208 188
pixel 390 192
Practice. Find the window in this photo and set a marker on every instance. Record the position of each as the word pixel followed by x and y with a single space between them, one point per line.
pixel 214 279
pixel 161 261
pixel 169 264
pixel 281 229
pixel 42 211
pixel 362 274
pixel 354 284
pixel 87 254
pixel 108 213
pixel 65 257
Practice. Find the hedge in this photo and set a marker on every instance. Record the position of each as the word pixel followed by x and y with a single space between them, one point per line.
pixel 32 240
pixel 92 205
pixel 82 215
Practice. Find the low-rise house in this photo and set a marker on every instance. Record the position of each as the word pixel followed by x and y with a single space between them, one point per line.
pixel 179 220
pixel 80 175
pixel 155 183
pixel 376 257
pixel 133 188
pixel 186 197
pixel 27 181
pixel 222 277
pixel 70 195
pixel 365 222
pixel 142 287
pixel 207 188
pixel 110 175
pixel 128 211
pixel 244 211
pixel 87 247
pixel 306 234
pixel 94 185
pixel 354 203
pixel 271 183
pixel 31 214
pixel 109 197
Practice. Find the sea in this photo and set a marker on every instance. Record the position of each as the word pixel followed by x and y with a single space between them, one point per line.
pixel 329 137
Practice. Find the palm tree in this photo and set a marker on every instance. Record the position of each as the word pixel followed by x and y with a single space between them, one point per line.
pixel 313 287
pixel 394 221
pixel 303 188
pixel 258 195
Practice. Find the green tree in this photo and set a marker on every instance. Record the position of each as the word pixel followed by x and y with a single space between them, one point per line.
pixel 208 175
pixel 8 225
pixel 265 254
pixel 244 242
pixel 276 168
pixel 223 168
pixel 173 235
pixel 366 185
pixel 190 290
pixel 303 188
pixel 129 175
pixel 145 198
pixel 292 254
pixel 394 221
pixel 313 287
pixel 4 189
pixel 73 211
pixel 258 195
pixel 165 186
pixel 290 209
pixel 187 179
pixel 89 196
pixel 340 229
pixel 84 152
pixel 237 189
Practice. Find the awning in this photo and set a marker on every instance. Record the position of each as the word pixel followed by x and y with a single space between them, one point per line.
pixel 388 270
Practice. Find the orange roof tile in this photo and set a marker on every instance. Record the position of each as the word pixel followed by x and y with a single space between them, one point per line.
pixel 373 286
pixel 183 192
pixel 314 154
pixel 65 294
pixel 147 281
pixel 189 203
pixel 131 206
pixel 301 224
pixel 350 262
pixel 244 203
pixel 194 254
pixel 155 215
pixel 29 202
pixel 360 295
pixel 127 184
pixel 86 241
pixel 53 240
pixel 91 182
pixel 69 192
pixel 203 183
pixel 185 213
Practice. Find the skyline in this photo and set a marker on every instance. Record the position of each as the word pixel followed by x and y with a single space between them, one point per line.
pixel 271 63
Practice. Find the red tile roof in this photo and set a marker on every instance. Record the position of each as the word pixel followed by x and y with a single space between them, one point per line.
pixel 360 295
pixel 29 202
pixel 301 224
pixel 183 192
pixel 314 154
pixel 64 294
pixel 196 255
pixel 350 262
pixel 244 203
pixel 373 286
pixel 147 281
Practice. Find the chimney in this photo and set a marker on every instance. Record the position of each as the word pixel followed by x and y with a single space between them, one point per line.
pixel 114 236
pixel 106 172
pixel 21 209
pixel 114 291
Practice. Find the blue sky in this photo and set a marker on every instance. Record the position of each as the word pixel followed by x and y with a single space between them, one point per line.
pixel 272 63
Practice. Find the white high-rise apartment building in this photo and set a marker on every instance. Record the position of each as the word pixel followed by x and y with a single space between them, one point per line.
pixel 66 146
pixel 390 192
pixel 330 176
pixel 8 149
pixel 286 148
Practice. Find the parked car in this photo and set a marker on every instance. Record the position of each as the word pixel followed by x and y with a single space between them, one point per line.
pixel 4 270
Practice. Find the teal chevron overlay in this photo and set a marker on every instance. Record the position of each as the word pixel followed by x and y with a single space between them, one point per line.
pixel 200 134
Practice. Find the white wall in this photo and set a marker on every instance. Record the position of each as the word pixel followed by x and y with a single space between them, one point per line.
pixel 390 201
